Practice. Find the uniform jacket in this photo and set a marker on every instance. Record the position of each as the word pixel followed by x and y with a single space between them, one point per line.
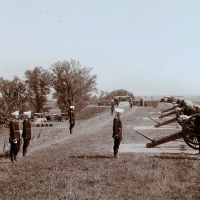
pixel 26 133
pixel 112 105
pixel 14 130
pixel 117 127
pixel 71 117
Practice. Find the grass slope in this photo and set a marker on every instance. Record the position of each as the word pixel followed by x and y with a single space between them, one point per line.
pixel 82 167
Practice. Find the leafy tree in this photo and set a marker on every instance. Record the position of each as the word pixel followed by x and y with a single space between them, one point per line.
pixel 14 95
pixel 102 94
pixel 73 84
pixel 39 86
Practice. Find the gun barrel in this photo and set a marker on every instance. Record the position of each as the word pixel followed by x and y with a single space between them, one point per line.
pixel 167 114
pixel 143 135
pixel 154 120
pixel 165 139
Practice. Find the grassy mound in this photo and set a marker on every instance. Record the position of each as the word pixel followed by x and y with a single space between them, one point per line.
pixel 91 111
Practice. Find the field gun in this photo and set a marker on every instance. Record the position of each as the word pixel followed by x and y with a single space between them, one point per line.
pixel 172 108
pixel 167 114
pixel 190 133
pixel 177 112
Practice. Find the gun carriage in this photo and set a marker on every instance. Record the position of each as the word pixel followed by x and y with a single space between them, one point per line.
pixel 190 131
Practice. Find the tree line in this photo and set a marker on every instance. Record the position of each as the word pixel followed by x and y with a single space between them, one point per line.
pixel 71 83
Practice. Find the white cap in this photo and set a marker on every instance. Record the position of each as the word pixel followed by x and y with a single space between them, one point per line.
pixel 112 100
pixel 27 113
pixel 72 107
pixel 119 110
pixel 15 113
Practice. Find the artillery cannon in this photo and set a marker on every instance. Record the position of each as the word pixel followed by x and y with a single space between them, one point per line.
pixel 177 112
pixel 190 133
pixel 172 108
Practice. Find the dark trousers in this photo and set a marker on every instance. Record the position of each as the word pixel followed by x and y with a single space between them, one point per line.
pixel 14 150
pixel 116 146
pixel 25 145
pixel 71 127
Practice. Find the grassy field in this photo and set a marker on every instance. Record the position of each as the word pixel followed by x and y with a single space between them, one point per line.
pixel 81 166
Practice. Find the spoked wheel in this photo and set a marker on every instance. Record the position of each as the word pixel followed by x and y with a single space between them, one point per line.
pixel 189 134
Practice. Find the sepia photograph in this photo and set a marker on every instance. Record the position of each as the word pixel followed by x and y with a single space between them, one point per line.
pixel 99 100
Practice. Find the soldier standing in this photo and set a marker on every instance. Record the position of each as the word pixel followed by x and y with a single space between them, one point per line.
pixel 112 106
pixel 116 102
pixel 141 102
pixel 14 137
pixel 130 102
pixel 26 133
pixel 71 118
pixel 117 131
pixel 197 128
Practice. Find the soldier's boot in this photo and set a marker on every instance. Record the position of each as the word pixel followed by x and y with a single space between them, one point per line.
pixel 12 159
pixel 71 130
pixel 15 157
pixel 25 152
pixel 116 153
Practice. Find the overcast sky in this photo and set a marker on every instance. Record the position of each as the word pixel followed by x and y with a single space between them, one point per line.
pixel 148 47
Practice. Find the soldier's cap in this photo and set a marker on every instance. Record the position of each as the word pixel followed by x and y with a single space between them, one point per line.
pixel 72 107
pixel 119 110
pixel 28 113
pixel 112 100
pixel 15 113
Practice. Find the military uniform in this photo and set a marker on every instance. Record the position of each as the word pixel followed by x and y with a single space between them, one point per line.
pixel 197 128
pixel 14 138
pixel 71 119
pixel 131 103
pixel 141 102
pixel 26 134
pixel 117 131
pixel 116 102
pixel 112 106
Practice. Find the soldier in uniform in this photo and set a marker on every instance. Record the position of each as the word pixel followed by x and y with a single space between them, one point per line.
pixel 15 136
pixel 197 128
pixel 141 102
pixel 26 133
pixel 71 118
pixel 117 131
pixel 112 106
pixel 116 102
pixel 130 102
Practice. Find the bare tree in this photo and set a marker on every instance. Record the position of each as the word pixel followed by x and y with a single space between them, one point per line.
pixel 73 84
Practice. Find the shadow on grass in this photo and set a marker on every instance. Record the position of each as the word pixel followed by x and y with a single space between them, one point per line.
pixel 177 156
pixel 5 154
pixel 91 157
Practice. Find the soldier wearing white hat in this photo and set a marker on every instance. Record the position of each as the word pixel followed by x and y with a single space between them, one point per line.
pixel 14 137
pixel 112 106
pixel 131 102
pixel 71 119
pixel 26 133
pixel 117 130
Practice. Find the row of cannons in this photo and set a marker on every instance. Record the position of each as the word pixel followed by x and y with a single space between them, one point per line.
pixel 187 116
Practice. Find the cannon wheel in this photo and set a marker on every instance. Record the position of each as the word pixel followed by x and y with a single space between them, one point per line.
pixel 188 133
